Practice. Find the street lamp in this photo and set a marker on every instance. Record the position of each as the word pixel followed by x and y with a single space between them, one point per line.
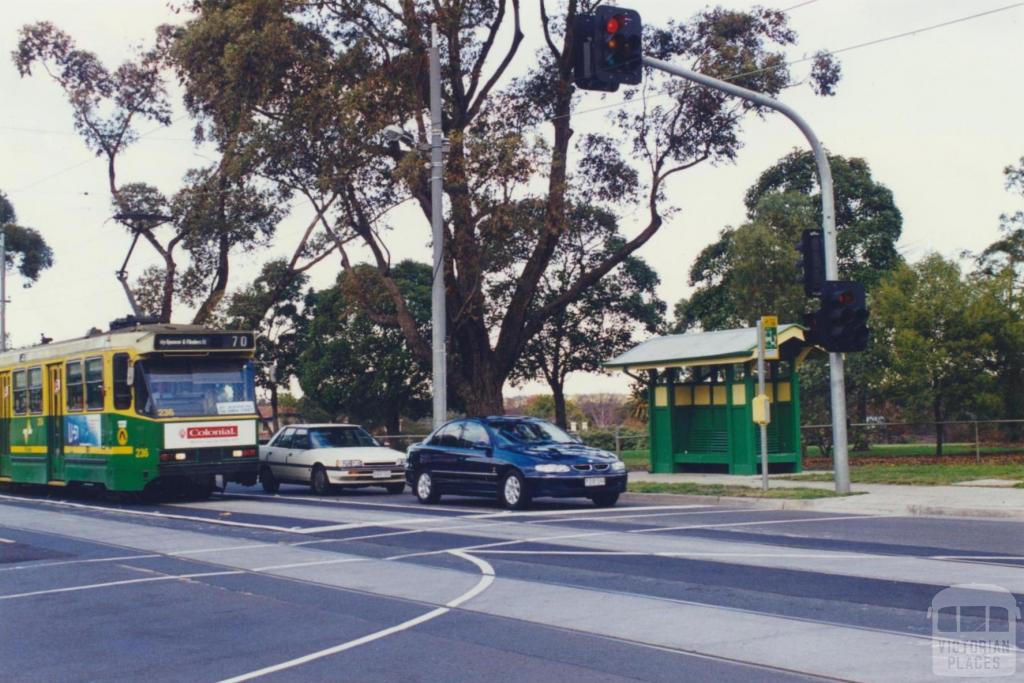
pixel 392 134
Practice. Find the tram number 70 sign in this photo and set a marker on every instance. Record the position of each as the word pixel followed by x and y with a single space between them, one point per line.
pixel 770 324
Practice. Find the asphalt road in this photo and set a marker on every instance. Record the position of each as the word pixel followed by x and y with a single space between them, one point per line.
pixel 367 587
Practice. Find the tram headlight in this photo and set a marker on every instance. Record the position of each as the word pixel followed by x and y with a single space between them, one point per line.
pixel 171 456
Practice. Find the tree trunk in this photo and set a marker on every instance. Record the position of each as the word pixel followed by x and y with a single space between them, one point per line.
pixel 273 408
pixel 481 390
pixel 393 423
pixel 558 392
pixel 939 427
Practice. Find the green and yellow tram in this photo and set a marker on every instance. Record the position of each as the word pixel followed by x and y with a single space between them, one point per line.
pixel 141 407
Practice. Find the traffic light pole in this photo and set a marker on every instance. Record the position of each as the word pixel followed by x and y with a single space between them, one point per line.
pixel 828 224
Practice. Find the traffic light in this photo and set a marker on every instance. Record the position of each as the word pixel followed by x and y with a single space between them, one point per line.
pixel 812 265
pixel 619 45
pixel 608 49
pixel 841 324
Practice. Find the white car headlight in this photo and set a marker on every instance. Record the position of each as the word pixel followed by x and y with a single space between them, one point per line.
pixel 551 468
pixel 350 463
pixel 618 466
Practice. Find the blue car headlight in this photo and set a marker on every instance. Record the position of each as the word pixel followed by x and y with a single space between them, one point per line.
pixel 551 468
pixel 618 466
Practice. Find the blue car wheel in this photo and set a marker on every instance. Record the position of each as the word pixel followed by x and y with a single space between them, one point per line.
pixel 426 492
pixel 513 492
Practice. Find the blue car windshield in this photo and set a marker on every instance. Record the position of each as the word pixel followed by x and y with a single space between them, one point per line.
pixel 531 432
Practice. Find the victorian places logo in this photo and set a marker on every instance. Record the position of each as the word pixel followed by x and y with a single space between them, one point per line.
pixel 974 631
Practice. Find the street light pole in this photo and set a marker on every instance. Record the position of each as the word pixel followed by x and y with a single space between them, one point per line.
pixel 828 224
pixel 438 314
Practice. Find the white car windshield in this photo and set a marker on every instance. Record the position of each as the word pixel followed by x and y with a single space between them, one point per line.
pixel 340 437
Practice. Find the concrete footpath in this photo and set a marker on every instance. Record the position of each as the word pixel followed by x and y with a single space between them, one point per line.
pixel 987 499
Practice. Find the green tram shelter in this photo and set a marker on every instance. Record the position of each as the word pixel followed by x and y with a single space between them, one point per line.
pixel 700 391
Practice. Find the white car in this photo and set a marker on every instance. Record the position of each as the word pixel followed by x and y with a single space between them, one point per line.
pixel 328 455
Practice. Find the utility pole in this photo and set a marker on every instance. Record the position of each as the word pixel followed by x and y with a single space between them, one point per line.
pixel 438 315
pixel 828 223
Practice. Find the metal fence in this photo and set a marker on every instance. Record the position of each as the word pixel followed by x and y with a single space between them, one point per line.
pixel 975 438
pixel 960 438
pixel 615 439
pixel 400 442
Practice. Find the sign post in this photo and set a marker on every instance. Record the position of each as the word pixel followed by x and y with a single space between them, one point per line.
pixel 767 348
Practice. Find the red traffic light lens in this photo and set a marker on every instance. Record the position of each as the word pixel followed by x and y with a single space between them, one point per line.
pixel 615 24
pixel 845 298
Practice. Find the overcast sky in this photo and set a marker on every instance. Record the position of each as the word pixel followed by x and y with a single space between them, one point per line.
pixel 937 115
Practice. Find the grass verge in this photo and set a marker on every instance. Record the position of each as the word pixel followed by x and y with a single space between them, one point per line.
pixel 636 461
pixel 923 475
pixel 691 489
pixel 897 450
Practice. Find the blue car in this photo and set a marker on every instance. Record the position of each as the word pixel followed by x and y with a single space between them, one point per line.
pixel 514 459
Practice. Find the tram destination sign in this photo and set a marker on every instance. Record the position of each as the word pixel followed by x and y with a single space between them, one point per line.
pixel 217 341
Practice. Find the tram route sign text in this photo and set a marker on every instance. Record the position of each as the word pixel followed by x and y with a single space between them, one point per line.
pixel 202 342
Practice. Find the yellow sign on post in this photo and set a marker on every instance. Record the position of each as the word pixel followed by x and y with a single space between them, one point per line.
pixel 770 323
pixel 762 409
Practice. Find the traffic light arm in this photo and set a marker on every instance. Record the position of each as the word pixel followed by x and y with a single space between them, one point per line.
pixel 828 224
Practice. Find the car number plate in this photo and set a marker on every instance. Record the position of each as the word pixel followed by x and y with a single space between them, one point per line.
pixel 593 481
pixel 381 474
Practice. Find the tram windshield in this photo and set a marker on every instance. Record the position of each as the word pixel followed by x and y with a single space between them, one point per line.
pixel 179 387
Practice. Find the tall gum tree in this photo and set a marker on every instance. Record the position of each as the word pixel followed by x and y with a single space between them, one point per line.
pixel 219 210
pixel 347 69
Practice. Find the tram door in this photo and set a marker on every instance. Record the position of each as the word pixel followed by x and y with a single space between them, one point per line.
pixel 55 431
pixel 5 413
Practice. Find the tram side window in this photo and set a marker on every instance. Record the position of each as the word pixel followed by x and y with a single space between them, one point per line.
pixel 76 386
pixel 20 392
pixel 35 390
pixel 94 384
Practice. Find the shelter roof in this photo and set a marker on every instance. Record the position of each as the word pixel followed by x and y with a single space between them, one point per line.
pixel 699 348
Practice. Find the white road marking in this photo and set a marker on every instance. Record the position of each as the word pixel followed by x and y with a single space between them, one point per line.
pixel 757 523
pixel 156 515
pixel 339 501
pixel 110 584
pixel 63 563
pixel 321 541
pixel 607 532
pixel 658 514
pixel 830 555
pixel 486 580
pixel 584 511
pixel 591 553
pixel 377 635
pixel 221 549
pixel 311 564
